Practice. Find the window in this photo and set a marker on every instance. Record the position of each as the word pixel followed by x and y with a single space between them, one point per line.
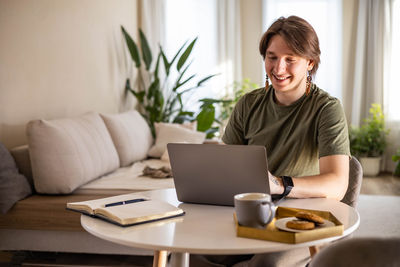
pixel 186 20
pixel 326 18
pixel 392 92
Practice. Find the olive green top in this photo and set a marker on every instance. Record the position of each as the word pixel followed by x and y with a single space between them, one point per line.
pixel 295 136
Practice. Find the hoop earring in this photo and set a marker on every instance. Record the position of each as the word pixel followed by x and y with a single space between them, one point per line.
pixel 308 84
pixel 266 82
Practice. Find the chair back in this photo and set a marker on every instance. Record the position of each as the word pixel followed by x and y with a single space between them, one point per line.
pixel 355 180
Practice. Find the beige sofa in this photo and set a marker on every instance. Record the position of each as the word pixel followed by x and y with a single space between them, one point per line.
pixel 82 158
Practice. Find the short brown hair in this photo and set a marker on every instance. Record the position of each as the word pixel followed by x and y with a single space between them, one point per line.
pixel 299 35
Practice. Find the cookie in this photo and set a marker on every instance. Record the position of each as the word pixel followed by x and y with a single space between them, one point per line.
pixel 300 225
pixel 310 217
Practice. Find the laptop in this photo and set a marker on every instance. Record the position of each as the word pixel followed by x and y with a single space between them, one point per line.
pixel 213 174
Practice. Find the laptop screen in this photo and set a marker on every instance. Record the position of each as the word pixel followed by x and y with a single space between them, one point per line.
pixel 213 174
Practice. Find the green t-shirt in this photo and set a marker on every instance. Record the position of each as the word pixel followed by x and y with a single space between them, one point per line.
pixel 295 136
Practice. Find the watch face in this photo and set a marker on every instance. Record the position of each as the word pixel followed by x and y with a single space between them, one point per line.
pixel 287 181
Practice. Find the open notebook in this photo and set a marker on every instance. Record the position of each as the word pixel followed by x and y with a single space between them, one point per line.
pixel 126 210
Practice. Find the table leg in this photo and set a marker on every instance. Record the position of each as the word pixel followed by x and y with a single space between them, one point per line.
pixel 179 259
pixel 313 250
pixel 160 258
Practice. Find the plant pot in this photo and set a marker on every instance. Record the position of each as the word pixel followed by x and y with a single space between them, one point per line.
pixel 371 165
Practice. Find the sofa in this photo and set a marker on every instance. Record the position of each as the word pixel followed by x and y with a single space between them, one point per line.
pixel 76 159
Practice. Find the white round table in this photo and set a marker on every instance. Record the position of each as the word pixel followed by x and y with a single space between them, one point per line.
pixel 208 229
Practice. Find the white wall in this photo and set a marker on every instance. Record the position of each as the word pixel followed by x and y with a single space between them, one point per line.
pixel 61 58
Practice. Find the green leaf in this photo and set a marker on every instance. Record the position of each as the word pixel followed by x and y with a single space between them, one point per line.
pixel 172 104
pixel 178 81
pixel 208 101
pixel 167 65
pixel 205 119
pixel 128 85
pixel 181 75
pixel 186 113
pixel 146 52
pixel 211 132
pixel 189 89
pixel 153 88
pixel 177 53
pixel 139 95
pixel 205 79
pixel 185 55
pixel 159 104
pixel 185 81
pixel 133 49
pixel 183 116
pixel 157 64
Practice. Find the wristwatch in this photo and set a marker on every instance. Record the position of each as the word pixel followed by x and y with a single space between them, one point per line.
pixel 287 184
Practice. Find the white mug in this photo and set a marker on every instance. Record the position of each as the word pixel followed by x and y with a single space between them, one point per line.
pixel 254 209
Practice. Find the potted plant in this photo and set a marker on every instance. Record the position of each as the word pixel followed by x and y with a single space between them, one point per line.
pixel 159 92
pixel 396 158
pixel 368 142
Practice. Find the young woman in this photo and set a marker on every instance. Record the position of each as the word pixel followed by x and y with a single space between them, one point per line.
pixel 303 128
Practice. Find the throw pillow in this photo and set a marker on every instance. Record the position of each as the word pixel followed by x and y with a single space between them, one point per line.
pixel 23 162
pixel 173 133
pixel 13 185
pixel 131 136
pixel 67 153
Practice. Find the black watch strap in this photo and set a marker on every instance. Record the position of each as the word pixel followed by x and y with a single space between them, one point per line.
pixel 287 184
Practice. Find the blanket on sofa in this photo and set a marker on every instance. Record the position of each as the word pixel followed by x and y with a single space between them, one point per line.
pixel 131 178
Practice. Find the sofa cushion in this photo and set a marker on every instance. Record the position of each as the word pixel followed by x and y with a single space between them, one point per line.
pixel 23 161
pixel 13 185
pixel 173 133
pixel 67 153
pixel 131 136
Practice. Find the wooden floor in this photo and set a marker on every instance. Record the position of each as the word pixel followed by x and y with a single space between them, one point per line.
pixel 384 184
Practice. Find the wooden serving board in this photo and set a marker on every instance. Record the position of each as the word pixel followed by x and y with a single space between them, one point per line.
pixel 272 233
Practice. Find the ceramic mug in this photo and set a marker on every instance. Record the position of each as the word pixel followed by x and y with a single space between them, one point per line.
pixel 254 209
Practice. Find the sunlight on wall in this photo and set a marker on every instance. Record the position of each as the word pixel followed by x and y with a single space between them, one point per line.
pixel 326 18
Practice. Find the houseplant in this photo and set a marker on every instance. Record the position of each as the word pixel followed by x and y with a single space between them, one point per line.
pixel 215 113
pixel 368 142
pixel 396 158
pixel 159 92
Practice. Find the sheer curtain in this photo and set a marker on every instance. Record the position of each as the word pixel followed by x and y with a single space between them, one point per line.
pixel 216 23
pixel 371 39
pixel 229 43
pixel 151 21
pixel 375 70
pixel 391 85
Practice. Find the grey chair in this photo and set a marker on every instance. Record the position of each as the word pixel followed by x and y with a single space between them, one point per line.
pixel 366 252
pixel 355 181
